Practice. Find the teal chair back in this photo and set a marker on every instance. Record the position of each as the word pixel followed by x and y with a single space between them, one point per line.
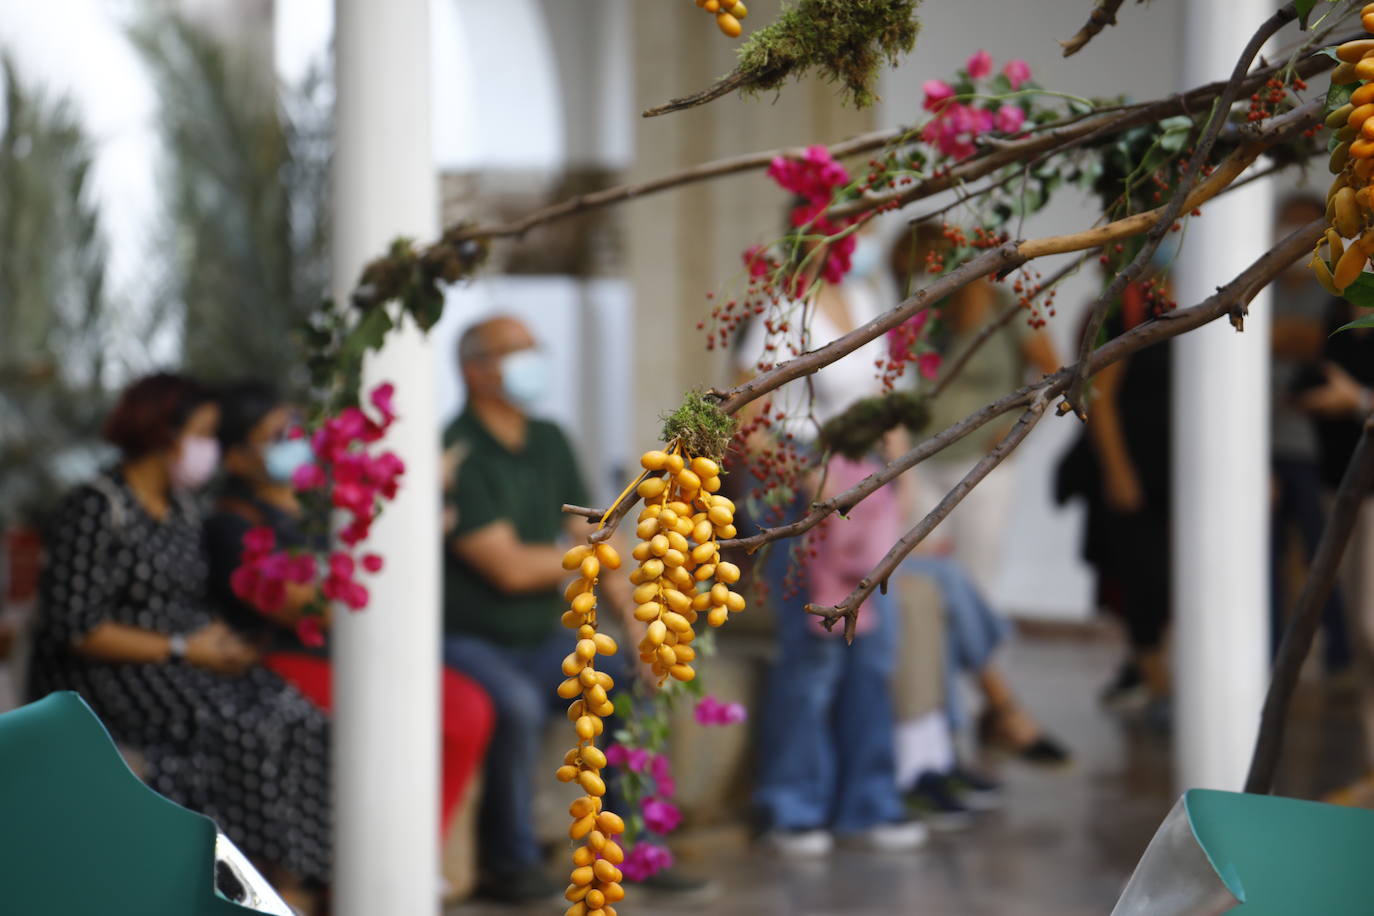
pixel 81 834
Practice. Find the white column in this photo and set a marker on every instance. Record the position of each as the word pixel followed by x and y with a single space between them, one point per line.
pixel 386 659
pixel 1221 456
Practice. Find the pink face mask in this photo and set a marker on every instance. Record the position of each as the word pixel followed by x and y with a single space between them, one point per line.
pixel 196 463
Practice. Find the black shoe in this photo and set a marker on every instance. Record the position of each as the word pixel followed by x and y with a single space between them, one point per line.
pixel 934 801
pixel 527 885
pixel 976 791
pixel 1045 751
pixel 669 884
pixel 1127 691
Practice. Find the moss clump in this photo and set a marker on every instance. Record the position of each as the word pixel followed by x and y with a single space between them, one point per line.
pixel 857 431
pixel 846 40
pixel 699 426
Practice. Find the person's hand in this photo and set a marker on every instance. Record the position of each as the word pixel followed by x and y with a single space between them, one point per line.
pixel 217 648
pixel 1123 492
pixel 1340 396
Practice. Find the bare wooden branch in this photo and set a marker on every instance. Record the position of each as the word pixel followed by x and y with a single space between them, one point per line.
pixel 1302 627
pixel 709 94
pixel 1103 15
pixel 1003 257
pixel 848 609
pixel 591 515
pixel 1228 300
pixel 1183 193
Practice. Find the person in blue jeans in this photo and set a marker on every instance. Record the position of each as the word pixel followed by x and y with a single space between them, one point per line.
pixel 826 741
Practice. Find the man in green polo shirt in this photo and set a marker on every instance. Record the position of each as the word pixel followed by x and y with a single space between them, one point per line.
pixel 507 477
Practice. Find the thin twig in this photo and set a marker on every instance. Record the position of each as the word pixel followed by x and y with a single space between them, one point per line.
pixel 1221 114
pixel 848 608
pixel 1103 15
pixel 1229 299
pixel 591 515
pixel 709 94
pixel 997 323
pixel 1302 627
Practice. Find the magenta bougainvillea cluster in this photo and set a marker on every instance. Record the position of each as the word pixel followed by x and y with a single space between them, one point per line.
pixel 348 475
pixel 959 120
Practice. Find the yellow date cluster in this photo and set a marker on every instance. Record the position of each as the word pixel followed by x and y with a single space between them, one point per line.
pixel 728 14
pixel 1350 200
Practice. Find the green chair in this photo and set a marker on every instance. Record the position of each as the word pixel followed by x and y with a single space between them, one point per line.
pixel 1254 855
pixel 80 834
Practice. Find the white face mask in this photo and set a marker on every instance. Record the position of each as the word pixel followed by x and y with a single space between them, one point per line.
pixel 524 378
pixel 196 463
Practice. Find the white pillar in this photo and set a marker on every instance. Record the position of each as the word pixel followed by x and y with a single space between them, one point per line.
pixel 1221 456
pixel 386 659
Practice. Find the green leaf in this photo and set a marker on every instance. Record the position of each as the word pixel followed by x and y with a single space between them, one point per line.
pixel 1361 295
pixel 425 303
pixel 367 335
pixel 624 706
pixel 1366 322
pixel 1337 96
pixel 1304 8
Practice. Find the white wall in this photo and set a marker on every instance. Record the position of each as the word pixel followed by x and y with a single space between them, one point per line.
pixel 1043 577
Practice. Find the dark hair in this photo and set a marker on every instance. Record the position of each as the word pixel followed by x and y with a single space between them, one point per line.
pixel 152 411
pixel 242 407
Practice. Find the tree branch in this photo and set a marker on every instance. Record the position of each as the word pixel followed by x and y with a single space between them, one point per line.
pixel 1302 627
pixel 1103 15
pixel 709 94
pixel 1221 113
pixel 849 608
pixel 1229 299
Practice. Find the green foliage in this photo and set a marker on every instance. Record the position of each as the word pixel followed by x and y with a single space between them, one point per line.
pixel 54 306
pixel 700 426
pixel 845 40
pixel 246 197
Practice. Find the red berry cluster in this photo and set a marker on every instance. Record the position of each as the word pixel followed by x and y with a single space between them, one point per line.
pixel 1265 103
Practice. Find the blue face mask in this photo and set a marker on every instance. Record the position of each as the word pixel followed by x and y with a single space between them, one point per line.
pixel 863 263
pixel 524 378
pixel 282 459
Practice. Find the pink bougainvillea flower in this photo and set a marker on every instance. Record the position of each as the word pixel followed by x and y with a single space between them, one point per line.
pixel 758 262
pixel 638 759
pixel 381 399
pixel 259 540
pixel 308 477
pixel 616 755
pixel 979 65
pixel 663 775
pixel 244 582
pixel 303 568
pixel 645 860
pixel 355 595
pixel 372 562
pixel 341 565
pixel 661 817
pixel 311 631
pixel 937 92
pixel 928 364
pixel 1010 118
pixel 1017 72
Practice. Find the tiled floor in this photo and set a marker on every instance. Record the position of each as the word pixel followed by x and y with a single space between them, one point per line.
pixel 1065 844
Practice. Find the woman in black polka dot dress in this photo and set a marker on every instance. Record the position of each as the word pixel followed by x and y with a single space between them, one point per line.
pixel 123 622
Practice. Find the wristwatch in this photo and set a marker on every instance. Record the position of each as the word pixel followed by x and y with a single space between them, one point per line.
pixel 176 647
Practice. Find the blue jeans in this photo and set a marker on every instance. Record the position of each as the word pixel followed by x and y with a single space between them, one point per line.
pixel 826 730
pixel 973 631
pixel 521 681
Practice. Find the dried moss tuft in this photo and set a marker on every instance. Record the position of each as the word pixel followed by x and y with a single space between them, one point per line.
pixel 845 40
pixel 700 426
pixel 857 431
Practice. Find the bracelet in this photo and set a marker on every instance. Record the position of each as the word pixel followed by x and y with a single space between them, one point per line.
pixel 176 647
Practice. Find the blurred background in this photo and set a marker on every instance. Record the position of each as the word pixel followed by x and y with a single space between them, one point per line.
pixel 164 202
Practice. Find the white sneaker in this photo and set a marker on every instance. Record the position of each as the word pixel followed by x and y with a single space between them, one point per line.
pixel 800 844
pixel 903 836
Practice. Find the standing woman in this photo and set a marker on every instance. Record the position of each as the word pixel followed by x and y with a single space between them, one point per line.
pixel 123 622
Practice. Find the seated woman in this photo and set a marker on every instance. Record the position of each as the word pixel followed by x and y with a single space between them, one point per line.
pixel 259 460
pixel 123 620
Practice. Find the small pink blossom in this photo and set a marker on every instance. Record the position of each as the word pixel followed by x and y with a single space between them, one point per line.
pixel 979 65
pixel 372 562
pixel 1010 118
pixel 937 92
pixel 310 631
pixel 259 540
pixel 381 399
pixel 645 860
pixel 711 711
pixel 928 364
pixel 616 755
pixel 1017 72
pixel 303 568
pixel 341 565
pixel 663 776
pixel 661 817
pixel 308 477
pixel 758 262
pixel 638 759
